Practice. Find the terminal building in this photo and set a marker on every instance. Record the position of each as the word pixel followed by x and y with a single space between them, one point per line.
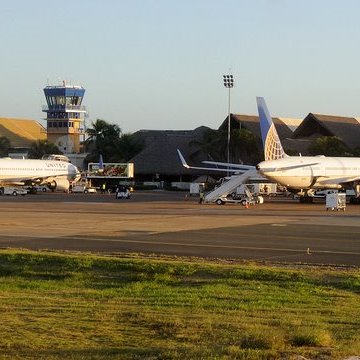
pixel 158 162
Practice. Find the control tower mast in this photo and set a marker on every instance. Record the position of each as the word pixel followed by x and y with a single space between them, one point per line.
pixel 65 116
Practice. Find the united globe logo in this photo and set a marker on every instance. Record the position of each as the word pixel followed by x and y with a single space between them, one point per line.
pixel 273 148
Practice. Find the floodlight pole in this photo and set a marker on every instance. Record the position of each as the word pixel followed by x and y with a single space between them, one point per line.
pixel 228 83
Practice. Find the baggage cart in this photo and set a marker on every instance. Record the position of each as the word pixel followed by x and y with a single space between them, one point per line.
pixel 336 201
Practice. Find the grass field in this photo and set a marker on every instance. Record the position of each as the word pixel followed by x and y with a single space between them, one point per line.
pixel 58 306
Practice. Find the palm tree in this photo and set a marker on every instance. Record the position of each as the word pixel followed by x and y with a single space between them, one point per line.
pixel 108 140
pixel 101 134
pixel 102 137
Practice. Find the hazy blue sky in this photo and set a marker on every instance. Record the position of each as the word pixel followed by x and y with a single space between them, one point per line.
pixel 158 64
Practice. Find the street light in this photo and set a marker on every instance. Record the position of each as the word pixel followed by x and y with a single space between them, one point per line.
pixel 228 83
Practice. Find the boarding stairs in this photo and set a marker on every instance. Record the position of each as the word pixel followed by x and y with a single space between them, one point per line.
pixel 228 186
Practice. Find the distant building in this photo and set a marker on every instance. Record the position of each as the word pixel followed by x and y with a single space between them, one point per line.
pixel 65 116
pixel 159 160
pixel 315 125
pixel 284 127
pixel 21 133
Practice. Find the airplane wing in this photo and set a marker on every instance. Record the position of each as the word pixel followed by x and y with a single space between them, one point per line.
pixel 231 165
pixel 28 181
pixel 23 180
pixel 262 167
pixel 234 168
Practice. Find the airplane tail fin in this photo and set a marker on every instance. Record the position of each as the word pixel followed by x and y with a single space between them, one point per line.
pixel 272 146
pixel 183 161
pixel 101 163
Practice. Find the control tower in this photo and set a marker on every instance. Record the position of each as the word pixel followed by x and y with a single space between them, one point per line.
pixel 65 116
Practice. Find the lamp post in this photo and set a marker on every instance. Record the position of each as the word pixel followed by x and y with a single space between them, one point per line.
pixel 228 83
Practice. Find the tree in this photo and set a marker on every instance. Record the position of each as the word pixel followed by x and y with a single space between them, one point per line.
pixel 127 146
pixel 329 146
pixel 244 146
pixel 102 138
pixel 108 140
pixel 214 144
pixel 4 146
pixel 42 147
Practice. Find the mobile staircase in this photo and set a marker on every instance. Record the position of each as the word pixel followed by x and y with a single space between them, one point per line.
pixel 228 186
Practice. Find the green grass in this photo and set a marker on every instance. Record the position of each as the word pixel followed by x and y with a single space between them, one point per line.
pixel 58 306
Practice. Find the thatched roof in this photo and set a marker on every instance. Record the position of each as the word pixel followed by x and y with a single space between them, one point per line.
pixel 160 156
pixel 252 123
pixel 346 128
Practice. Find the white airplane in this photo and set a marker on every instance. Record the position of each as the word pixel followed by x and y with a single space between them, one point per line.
pixel 303 174
pixel 55 174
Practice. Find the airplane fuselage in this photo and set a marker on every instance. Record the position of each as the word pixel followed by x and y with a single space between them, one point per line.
pixel 19 170
pixel 311 172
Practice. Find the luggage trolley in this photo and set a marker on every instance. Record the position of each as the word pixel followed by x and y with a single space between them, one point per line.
pixel 336 201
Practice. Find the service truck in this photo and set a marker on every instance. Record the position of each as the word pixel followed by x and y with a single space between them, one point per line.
pixel 263 188
pixel 14 191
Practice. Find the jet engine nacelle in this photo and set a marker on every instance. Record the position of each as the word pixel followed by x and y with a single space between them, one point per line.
pixel 58 184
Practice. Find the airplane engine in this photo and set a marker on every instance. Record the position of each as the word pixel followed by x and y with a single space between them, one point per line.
pixel 58 184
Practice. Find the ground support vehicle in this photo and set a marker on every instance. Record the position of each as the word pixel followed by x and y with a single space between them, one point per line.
pixel 196 188
pixel 123 194
pixel 336 201
pixel 84 189
pixel 41 188
pixel 261 188
pixel 14 191
pixel 37 188
pixel 245 201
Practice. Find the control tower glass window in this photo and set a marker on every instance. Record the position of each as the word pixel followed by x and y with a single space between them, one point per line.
pixel 60 100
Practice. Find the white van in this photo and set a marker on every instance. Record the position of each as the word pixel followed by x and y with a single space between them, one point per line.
pixel 81 188
pixel 14 191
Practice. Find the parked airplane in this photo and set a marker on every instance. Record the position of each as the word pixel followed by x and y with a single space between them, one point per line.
pixel 55 174
pixel 303 174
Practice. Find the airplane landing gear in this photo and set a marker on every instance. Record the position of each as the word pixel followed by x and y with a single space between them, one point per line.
pixel 306 199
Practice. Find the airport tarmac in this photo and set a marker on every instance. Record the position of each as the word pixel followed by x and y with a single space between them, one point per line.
pixel 160 222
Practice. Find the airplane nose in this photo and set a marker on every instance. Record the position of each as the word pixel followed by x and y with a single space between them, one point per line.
pixel 260 168
pixel 78 175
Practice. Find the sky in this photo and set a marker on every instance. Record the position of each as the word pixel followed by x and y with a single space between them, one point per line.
pixel 158 64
